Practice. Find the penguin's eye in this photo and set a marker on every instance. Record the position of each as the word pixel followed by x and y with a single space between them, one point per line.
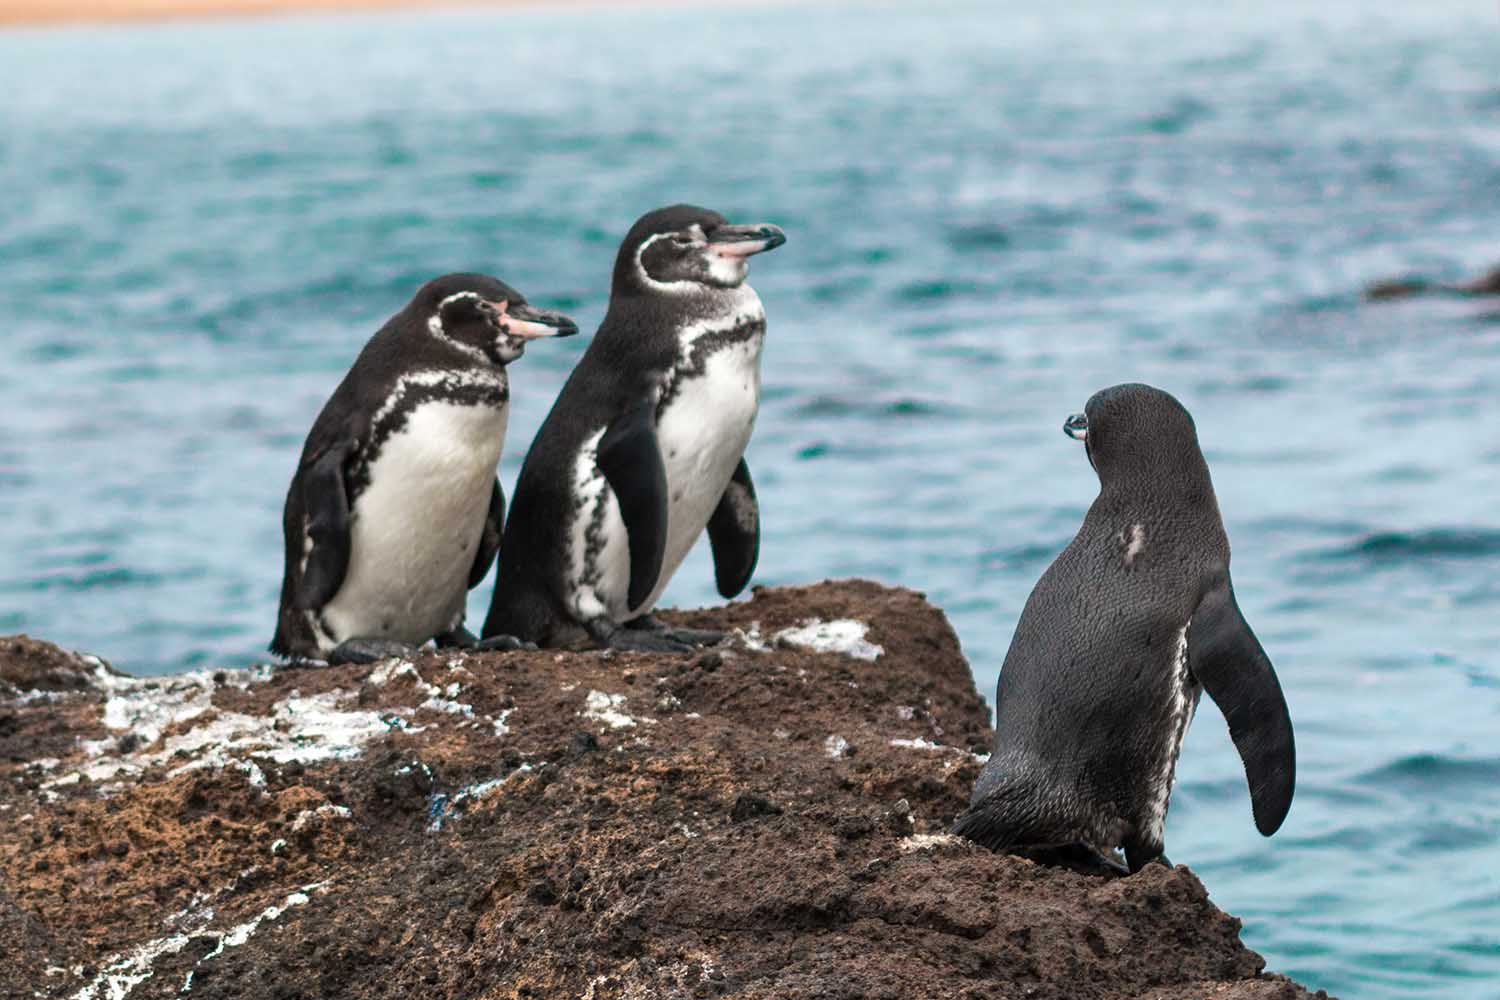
pixel 682 241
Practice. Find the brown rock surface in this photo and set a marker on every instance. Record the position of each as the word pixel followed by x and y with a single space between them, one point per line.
pixel 760 820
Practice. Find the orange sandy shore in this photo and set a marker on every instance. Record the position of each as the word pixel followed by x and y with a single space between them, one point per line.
pixel 17 12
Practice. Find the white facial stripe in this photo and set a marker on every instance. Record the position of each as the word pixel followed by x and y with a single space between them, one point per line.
pixel 437 329
pixel 666 287
pixel 435 321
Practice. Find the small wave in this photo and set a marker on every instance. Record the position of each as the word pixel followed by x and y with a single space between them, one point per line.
pixel 981 236
pixel 841 406
pixel 109 578
pixel 1181 115
pixel 1018 557
pixel 1488 100
pixel 925 291
pixel 1436 775
pixel 1453 836
pixel 1435 543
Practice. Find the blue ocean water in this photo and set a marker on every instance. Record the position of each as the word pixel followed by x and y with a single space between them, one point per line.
pixel 991 215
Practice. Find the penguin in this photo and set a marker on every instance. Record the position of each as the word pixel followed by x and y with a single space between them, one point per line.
pixel 644 447
pixel 395 510
pixel 1124 631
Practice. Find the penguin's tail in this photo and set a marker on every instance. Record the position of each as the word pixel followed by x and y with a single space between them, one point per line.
pixel 993 822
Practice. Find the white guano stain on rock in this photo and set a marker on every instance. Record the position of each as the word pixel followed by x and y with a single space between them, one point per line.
pixel 606 708
pixel 123 973
pixel 929 842
pixel 835 746
pixel 437 699
pixel 306 729
pixel 238 935
pixel 308 817
pixel 921 744
pixel 844 636
pixel 441 808
pixel 501 722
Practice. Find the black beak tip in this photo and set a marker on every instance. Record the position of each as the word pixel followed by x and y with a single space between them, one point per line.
pixel 774 237
pixel 1076 426
pixel 567 328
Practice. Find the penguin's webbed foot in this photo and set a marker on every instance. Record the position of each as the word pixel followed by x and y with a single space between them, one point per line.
pixel 633 640
pixel 456 638
pixel 1139 856
pixel 698 636
pixel 369 651
pixel 1079 858
pixel 686 636
pixel 502 644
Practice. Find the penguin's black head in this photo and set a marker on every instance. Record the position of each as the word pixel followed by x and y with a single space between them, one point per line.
pixel 484 317
pixel 685 250
pixel 1137 432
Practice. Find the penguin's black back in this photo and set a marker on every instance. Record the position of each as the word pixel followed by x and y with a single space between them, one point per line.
pixel 1088 689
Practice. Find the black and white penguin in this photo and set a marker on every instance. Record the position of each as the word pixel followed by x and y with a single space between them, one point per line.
pixel 395 511
pixel 1123 632
pixel 645 445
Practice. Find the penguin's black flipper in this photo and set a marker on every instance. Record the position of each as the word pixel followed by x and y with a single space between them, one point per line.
pixel 326 502
pixel 631 462
pixel 1227 660
pixel 734 533
pixel 489 541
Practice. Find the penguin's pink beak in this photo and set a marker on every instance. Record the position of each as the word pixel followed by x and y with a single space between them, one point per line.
pixel 529 323
pixel 742 241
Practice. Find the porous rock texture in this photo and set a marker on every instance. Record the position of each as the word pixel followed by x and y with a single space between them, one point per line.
pixel 765 819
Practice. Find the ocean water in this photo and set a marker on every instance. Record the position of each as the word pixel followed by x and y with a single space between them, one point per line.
pixel 990 216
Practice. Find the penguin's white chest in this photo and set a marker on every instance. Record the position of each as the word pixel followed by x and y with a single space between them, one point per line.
pixel 703 427
pixel 416 526
pixel 702 433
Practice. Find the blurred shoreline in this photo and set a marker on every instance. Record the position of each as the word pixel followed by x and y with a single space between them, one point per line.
pixel 20 13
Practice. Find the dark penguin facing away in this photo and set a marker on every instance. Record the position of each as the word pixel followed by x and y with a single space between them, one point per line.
pixel 645 445
pixel 395 511
pixel 1123 632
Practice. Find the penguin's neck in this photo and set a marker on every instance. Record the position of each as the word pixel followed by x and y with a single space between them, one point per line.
pixel 646 331
pixel 728 310
pixel 1141 495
